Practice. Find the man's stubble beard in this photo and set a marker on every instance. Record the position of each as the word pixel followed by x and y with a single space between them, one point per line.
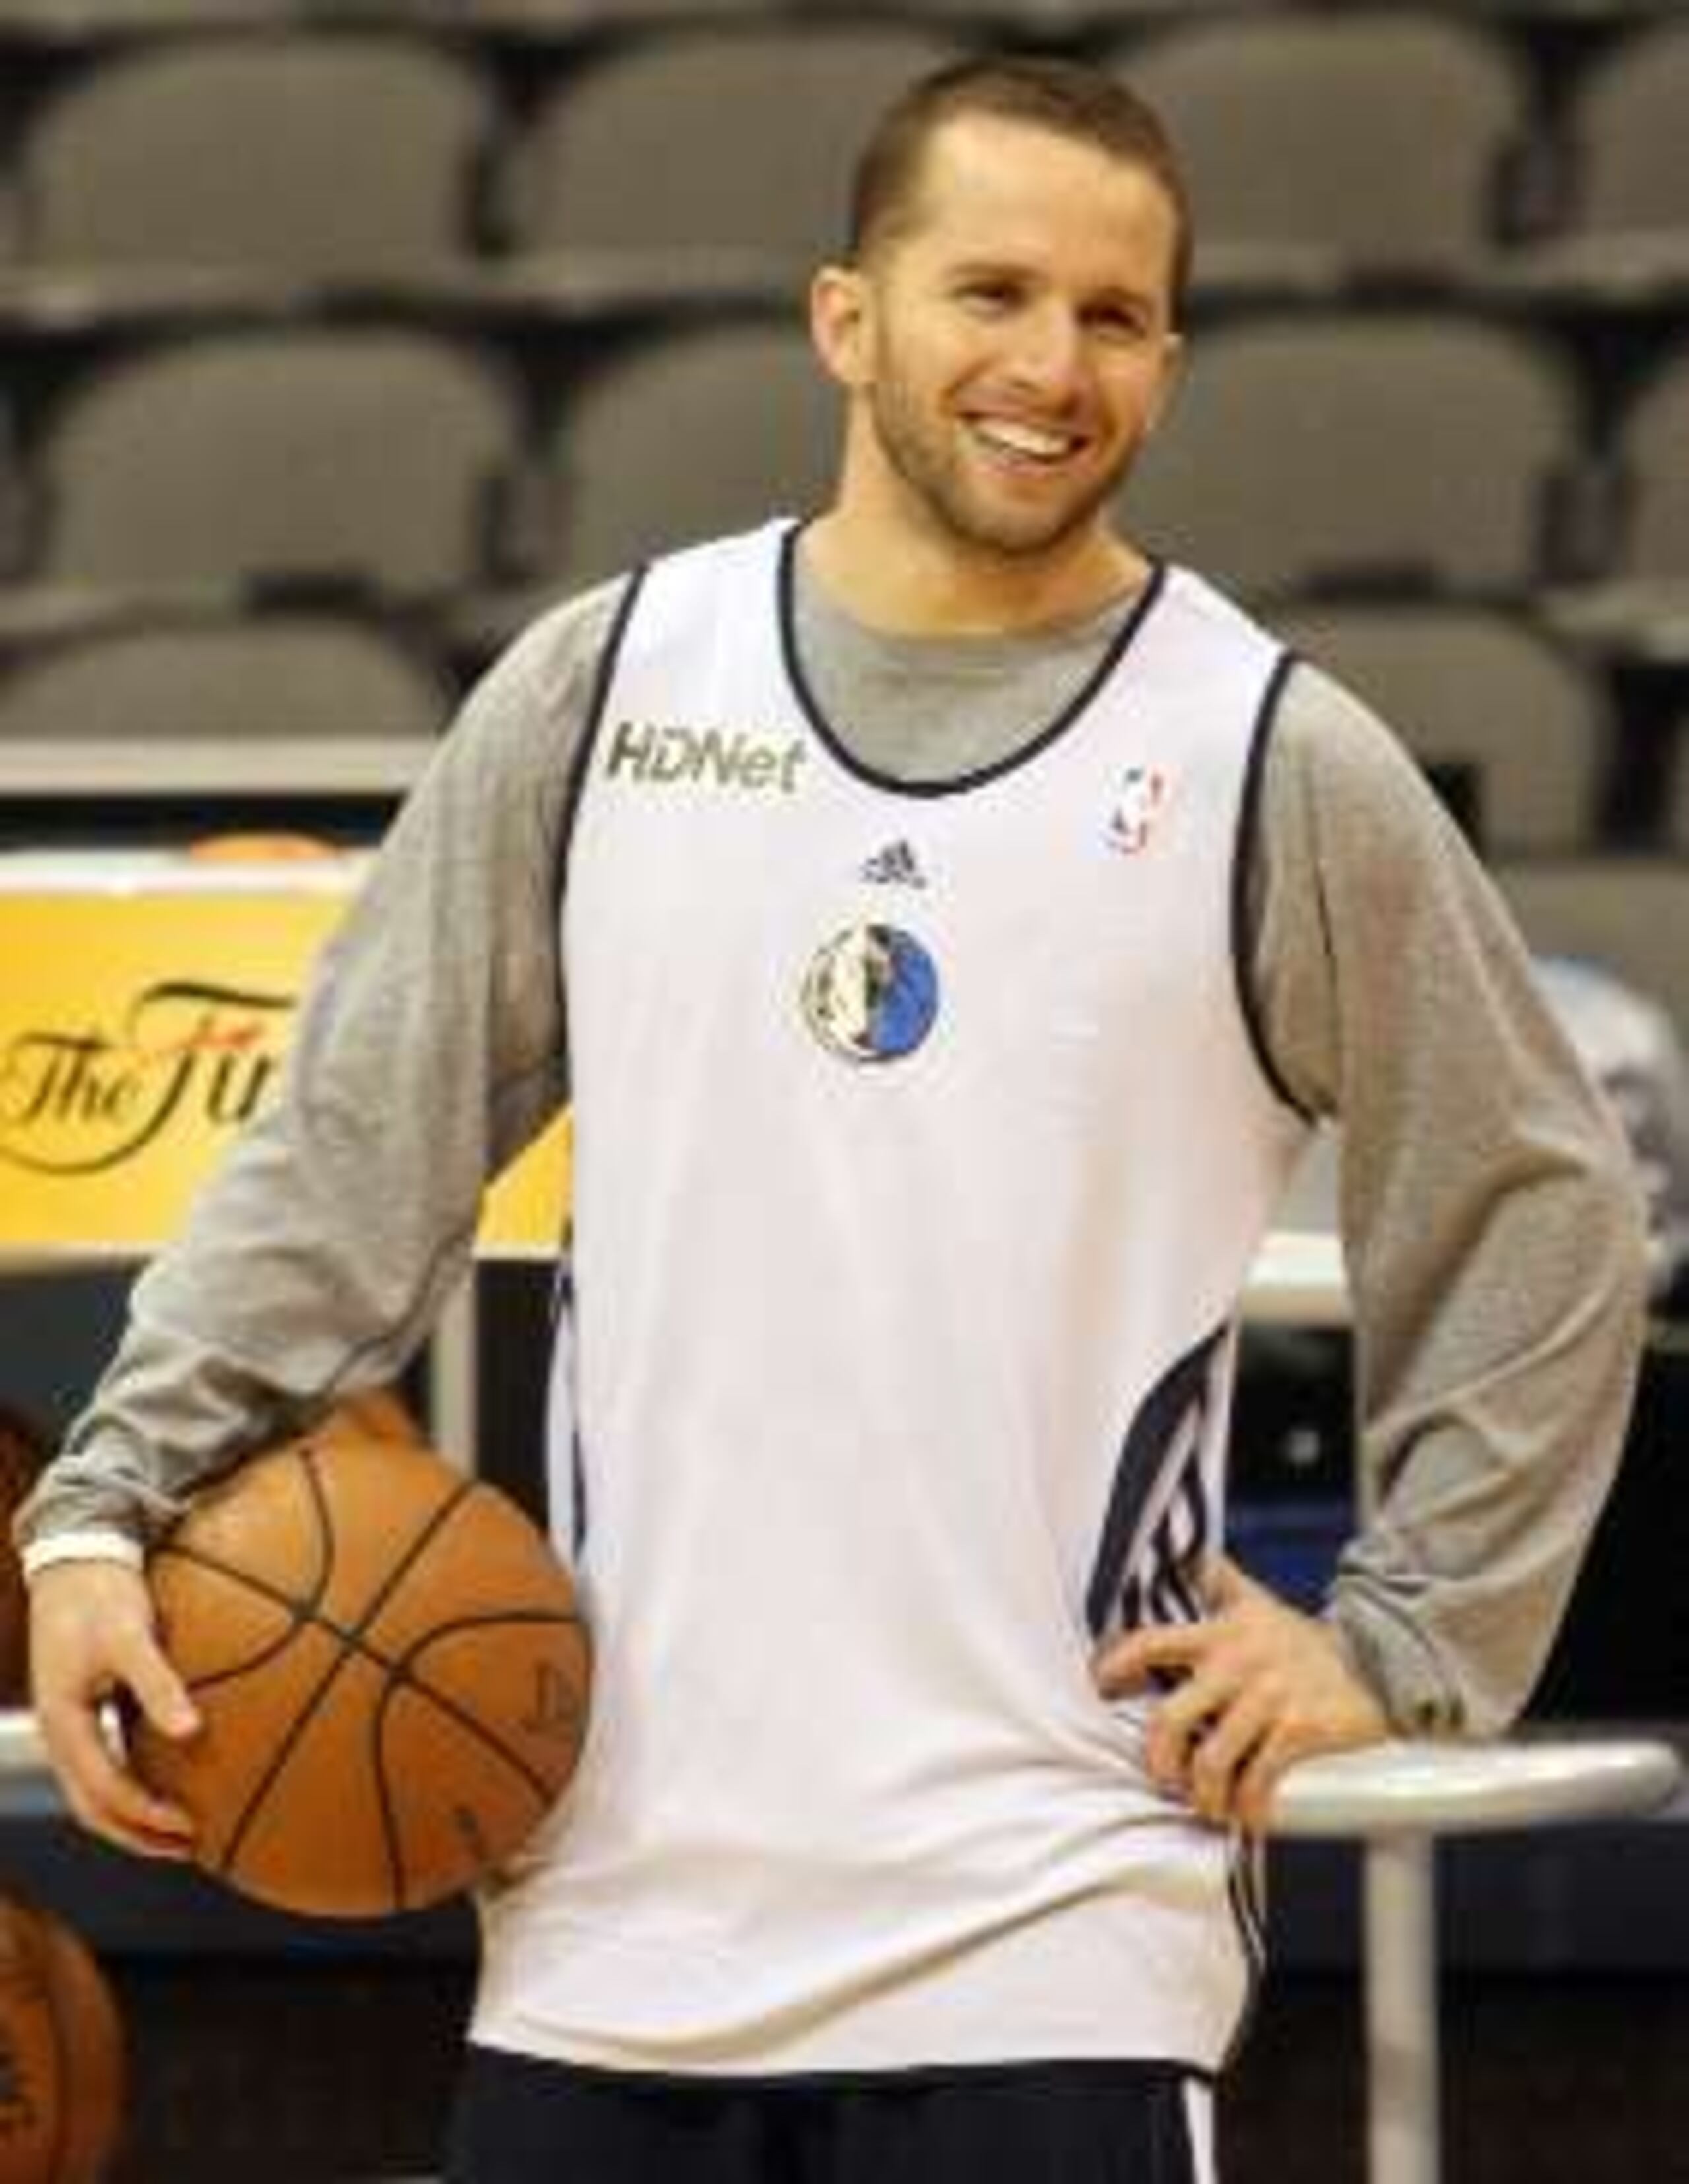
pixel 933 475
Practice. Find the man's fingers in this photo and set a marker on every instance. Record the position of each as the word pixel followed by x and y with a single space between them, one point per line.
pixel 93 1641
pixel 1257 1685
pixel 157 1689
pixel 1133 1660
pixel 1278 1751
pixel 1181 1720
pixel 102 1792
pixel 1225 1752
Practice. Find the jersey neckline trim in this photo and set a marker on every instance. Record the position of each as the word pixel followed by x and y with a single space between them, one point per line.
pixel 953 784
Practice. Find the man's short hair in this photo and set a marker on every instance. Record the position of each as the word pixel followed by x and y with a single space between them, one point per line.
pixel 1064 98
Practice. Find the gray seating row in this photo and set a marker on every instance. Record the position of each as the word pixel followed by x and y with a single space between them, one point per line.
pixel 343 150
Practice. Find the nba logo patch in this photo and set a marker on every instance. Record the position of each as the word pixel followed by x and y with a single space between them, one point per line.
pixel 1142 797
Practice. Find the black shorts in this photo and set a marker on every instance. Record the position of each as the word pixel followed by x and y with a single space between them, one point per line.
pixel 520 2121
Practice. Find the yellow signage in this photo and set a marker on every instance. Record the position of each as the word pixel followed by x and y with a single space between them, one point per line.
pixel 141 1031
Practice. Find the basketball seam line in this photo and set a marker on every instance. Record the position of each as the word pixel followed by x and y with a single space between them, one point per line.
pixel 316 1590
pixel 349 1634
pixel 196 1558
pixel 35 1958
pixel 284 1749
pixel 453 1708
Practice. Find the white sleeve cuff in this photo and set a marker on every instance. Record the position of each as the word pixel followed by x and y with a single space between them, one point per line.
pixel 91 1546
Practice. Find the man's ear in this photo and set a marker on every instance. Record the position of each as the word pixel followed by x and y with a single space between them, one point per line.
pixel 1173 355
pixel 839 323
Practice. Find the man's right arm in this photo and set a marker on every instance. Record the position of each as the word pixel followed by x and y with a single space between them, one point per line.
pixel 430 1049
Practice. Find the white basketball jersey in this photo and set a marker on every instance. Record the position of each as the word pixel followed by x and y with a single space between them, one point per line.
pixel 922 1150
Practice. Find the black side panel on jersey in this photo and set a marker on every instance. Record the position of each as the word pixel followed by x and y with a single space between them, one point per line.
pixel 582 760
pixel 1247 853
pixel 1151 1434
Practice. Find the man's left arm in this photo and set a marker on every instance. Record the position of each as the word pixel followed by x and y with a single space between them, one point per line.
pixel 1494 1241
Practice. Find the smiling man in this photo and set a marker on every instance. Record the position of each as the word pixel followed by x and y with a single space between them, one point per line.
pixel 1007 326
pixel 943 990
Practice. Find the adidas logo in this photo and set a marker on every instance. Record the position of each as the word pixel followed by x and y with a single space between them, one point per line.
pixel 894 865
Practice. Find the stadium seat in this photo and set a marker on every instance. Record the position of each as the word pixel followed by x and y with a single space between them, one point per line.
pixel 286 676
pixel 704 431
pixel 544 23
pixel 1677 809
pixel 1652 462
pixel 1627 127
pixel 1053 23
pixel 1407 450
pixel 729 139
pixel 370 457
pixel 1629 914
pixel 13 512
pixel 313 154
pixel 1493 711
pixel 1372 143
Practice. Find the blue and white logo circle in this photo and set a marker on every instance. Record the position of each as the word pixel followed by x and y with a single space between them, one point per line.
pixel 872 994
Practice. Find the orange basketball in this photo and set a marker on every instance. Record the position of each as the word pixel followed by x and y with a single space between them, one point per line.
pixel 377 1414
pixel 61 2053
pixel 390 1668
pixel 21 1455
pixel 258 848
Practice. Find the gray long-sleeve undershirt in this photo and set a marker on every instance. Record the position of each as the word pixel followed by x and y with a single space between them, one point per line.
pixel 1489 1217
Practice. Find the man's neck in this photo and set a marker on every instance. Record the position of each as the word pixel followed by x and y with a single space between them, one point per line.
pixel 904 586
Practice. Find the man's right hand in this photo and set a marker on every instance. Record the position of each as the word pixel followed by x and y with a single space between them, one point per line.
pixel 93 1636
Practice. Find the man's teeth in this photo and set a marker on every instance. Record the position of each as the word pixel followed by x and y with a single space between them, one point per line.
pixel 1017 439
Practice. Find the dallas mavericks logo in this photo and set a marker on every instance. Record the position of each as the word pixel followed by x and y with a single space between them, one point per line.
pixel 872 994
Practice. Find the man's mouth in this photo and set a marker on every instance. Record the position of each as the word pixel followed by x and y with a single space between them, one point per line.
pixel 1043 447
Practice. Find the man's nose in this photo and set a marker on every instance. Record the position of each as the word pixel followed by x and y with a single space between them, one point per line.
pixel 1049 353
